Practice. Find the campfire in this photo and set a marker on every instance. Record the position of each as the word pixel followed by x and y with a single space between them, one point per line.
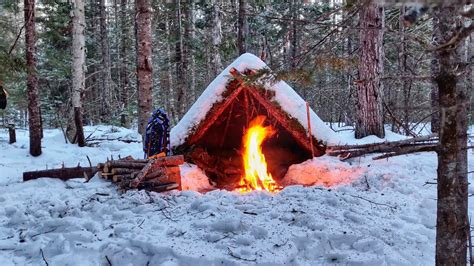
pixel 246 140
pixel 256 175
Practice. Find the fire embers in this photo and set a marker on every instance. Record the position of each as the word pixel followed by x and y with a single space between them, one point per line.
pixel 256 176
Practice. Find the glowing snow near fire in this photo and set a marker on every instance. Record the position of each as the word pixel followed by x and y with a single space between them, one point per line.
pixel 256 174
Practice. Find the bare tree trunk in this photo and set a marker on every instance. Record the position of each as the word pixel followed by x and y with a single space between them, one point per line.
pixel 452 215
pixel 369 119
pixel 402 68
pixel 294 34
pixel 180 61
pixel 78 69
pixel 437 37
pixel 144 62
pixel 124 79
pixel 216 63
pixel 34 118
pixel 242 30
pixel 169 74
pixel 106 95
pixel 190 37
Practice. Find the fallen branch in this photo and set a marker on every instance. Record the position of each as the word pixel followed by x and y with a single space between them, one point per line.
pixel 44 259
pixel 62 173
pixel 390 149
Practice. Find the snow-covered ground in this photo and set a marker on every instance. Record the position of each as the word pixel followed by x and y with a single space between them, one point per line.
pixel 380 213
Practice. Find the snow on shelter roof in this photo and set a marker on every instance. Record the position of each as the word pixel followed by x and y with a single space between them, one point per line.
pixel 285 96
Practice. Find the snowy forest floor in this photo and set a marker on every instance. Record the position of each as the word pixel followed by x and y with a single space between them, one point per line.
pixel 383 212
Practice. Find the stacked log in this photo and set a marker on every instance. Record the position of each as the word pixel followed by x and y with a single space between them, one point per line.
pixel 159 174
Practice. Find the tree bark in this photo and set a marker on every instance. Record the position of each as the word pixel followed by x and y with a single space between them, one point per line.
pixel 180 60
pixel 144 62
pixel 369 113
pixel 294 34
pixel 106 76
pixel 437 37
pixel 124 80
pixel 34 118
pixel 63 173
pixel 216 38
pixel 190 38
pixel 168 81
pixel 242 30
pixel 402 68
pixel 452 216
pixel 78 69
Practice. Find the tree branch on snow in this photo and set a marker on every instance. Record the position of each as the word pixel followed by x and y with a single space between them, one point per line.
pixel 44 259
pixel 232 254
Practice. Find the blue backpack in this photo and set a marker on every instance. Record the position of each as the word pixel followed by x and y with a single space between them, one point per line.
pixel 157 134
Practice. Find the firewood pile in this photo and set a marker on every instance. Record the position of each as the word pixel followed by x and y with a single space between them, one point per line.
pixel 388 149
pixel 157 174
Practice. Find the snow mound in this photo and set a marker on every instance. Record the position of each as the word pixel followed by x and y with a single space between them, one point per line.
pixel 285 96
pixel 193 178
pixel 322 171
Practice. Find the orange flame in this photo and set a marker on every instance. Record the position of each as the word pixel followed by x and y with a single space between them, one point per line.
pixel 256 174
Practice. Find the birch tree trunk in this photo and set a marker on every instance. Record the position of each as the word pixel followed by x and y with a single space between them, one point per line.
pixel 78 70
pixel 34 118
pixel 452 215
pixel 144 62
pixel 369 114
pixel 216 39
pixel 242 31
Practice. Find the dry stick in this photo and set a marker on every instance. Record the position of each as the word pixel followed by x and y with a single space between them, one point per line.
pixel 19 34
pixel 108 260
pixel 89 159
pixel 376 203
pixel 44 259
pixel 310 136
pixel 431 137
pixel 398 121
pixel 407 150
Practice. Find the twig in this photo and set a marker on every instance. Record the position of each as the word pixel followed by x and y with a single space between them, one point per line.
pixel 108 261
pixel 42 233
pixel 232 254
pixel 89 159
pixel 373 202
pixel 44 259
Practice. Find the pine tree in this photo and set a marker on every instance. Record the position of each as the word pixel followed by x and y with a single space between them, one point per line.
pixel 34 118
pixel 452 225
pixel 369 119
pixel 144 62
